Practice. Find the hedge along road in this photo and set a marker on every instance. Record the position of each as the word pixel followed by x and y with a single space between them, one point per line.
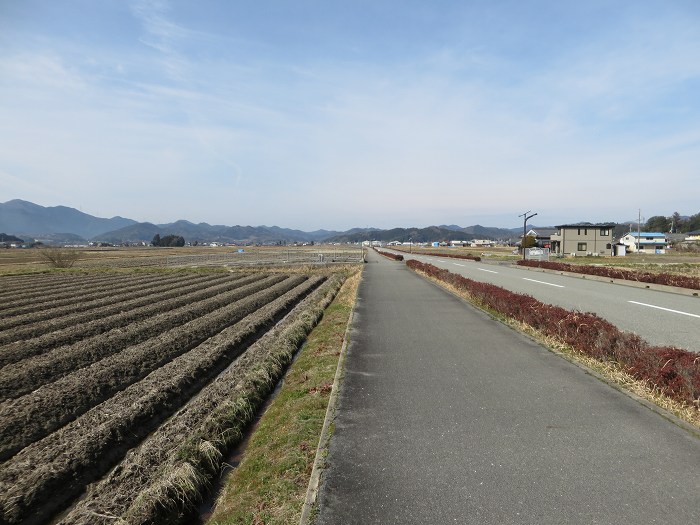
pixel 448 416
pixel 660 318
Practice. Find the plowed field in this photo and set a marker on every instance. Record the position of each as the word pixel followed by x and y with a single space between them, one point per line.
pixel 119 392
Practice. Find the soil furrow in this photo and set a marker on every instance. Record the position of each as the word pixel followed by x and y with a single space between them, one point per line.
pixel 54 289
pixel 45 476
pixel 20 378
pixel 140 468
pixel 38 323
pixel 127 290
pixel 16 351
pixel 35 415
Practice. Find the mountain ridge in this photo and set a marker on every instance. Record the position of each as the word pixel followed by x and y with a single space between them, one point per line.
pixel 57 224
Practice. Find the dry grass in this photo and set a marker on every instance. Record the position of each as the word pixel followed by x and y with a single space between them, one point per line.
pixel 269 485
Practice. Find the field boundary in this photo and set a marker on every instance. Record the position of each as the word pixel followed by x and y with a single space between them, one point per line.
pixel 324 438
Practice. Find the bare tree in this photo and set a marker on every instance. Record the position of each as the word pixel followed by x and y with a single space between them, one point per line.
pixel 59 257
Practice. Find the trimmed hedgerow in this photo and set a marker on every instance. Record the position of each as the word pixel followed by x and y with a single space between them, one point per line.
pixel 389 255
pixel 674 371
pixel 682 281
pixel 454 255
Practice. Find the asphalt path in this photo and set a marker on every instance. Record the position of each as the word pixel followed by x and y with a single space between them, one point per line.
pixel 448 416
pixel 659 317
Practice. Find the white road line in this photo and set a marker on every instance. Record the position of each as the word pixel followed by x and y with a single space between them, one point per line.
pixel 542 282
pixel 665 309
pixel 485 270
pixel 457 264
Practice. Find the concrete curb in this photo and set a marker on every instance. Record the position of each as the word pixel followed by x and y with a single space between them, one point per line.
pixel 321 449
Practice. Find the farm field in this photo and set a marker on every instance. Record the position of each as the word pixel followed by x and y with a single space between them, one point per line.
pixel 119 391
pixel 13 261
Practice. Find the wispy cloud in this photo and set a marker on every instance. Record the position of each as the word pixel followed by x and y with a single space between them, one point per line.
pixel 465 125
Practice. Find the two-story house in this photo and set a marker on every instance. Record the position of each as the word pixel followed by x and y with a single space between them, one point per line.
pixel 583 238
pixel 644 242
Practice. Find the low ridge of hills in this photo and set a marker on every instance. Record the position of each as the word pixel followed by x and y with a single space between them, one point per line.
pixel 61 224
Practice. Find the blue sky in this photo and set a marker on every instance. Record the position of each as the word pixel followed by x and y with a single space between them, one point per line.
pixel 339 114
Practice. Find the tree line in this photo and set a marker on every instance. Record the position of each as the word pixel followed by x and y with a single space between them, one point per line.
pixel 168 240
pixel 673 224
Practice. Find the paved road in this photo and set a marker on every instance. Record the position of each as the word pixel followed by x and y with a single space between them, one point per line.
pixel 436 426
pixel 661 318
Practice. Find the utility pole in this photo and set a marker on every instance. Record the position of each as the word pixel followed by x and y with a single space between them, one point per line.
pixel 639 225
pixel 525 218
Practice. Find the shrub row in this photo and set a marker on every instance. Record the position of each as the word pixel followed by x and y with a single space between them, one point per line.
pixel 454 255
pixel 675 371
pixel 682 281
pixel 389 255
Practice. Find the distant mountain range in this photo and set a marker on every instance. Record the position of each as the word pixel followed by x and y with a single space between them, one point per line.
pixel 60 225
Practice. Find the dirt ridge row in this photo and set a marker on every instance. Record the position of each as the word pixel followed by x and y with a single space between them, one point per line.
pixel 26 375
pixel 45 476
pixel 42 411
pixel 127 290
pixel 22 349
pixel 77 287
pixel 141 468
pixel 127 302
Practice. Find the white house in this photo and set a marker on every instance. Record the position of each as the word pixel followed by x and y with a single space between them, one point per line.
pixel 482 243
pixel 648 242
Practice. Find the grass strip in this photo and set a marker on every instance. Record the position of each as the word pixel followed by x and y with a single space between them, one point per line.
pixel 270 483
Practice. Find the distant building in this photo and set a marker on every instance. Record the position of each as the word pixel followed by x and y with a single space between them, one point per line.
pixel 693 236
pixel 644 242
pixel 482 243
pixel 543 236
pixel 583 238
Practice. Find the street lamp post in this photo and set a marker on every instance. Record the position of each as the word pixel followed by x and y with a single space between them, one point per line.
pixel 525 218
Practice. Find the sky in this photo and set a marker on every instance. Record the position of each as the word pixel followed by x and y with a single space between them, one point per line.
pixel 317 114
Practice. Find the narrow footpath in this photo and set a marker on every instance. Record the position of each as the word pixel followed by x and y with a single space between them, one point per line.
pixel 448 416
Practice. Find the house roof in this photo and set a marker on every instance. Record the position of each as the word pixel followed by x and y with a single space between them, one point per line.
pixel 543 232
pixel 646 234
pixel 587 225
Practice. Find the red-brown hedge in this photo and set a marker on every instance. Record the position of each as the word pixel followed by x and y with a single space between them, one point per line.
pixel 682 281
pixel 673 370
pixel 389 255
pixel 454 255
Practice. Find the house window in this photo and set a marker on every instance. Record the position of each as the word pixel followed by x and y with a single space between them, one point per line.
pixel 579 231
pixel 604 231
pixel 582 247
pixel 608 246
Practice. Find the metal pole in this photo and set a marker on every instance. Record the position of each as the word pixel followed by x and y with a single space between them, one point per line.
pixel 526 217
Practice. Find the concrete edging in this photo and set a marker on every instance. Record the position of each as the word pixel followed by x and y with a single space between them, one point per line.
pixel 315 479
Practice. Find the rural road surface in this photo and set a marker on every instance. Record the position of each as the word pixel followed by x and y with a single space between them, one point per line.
pixel 660 318
pixel 447 416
